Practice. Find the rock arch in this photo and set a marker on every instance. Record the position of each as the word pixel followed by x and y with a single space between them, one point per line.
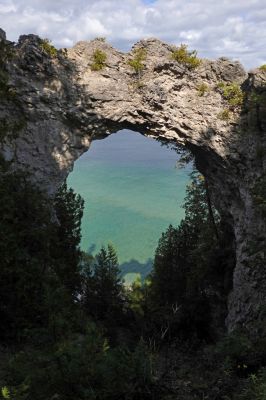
pixel 66 105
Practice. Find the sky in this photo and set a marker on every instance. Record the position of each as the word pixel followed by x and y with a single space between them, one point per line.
pixel 215 28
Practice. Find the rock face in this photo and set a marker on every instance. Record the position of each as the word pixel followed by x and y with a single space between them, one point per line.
pixel 65 105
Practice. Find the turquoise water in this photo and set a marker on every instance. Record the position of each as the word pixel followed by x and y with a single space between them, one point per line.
pixel 132 191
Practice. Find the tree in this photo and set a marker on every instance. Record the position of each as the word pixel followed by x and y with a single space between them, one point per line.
pixel 66 252
pixel 104 295
pixel 26 228
pixel 168 274
pixel 184 262
pixel 39 255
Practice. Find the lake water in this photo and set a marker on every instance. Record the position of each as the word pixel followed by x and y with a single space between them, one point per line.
pixel 132 191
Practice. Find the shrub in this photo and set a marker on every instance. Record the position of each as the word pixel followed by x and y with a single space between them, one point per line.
pixel 202 89
pixel 225 115
pixel 137 61
pixel 232 93
pixel 256 387
pixel 48 48
pixel 5 393
pixel 99 60
pixel 100 39
pixel 188 58
pixel 263 67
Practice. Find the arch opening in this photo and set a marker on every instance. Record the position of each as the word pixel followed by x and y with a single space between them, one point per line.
pixel 133 190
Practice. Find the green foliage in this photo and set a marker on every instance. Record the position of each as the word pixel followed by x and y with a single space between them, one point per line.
pixel 203 88
pixel 255 388
pixel 48 48
pixel 43 299
pixel 100 39
pixel 5 393
pixel 82 367
pixel 263 67
pixel 225 115
pixel 137 62
pixel 136 296
pixel 67 255
pixel 232 93
pixel 183 267
pixel 37 254
pixel 185 57
pixel 103 296
pixel 99 60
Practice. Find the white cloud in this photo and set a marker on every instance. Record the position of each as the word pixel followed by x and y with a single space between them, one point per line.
pixel 7 7
pixel 236 29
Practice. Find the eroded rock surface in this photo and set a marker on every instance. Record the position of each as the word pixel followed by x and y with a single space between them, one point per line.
pixel 64 105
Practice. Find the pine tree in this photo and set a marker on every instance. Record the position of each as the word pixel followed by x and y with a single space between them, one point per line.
pixel 66 252
pixel 183 260
pixel 106 289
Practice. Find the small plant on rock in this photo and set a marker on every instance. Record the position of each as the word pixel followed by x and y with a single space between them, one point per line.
pixel 232 93
pixel 137 62
pixel 263 67
pixel 203 88
pixel 99 60
pixel 225 115
pixel 100 39
pixel 48 48
pixel 185 57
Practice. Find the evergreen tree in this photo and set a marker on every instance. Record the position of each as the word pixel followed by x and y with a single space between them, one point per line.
pixel 66 252
pixel 39 256
pixel 183 262
pixel 104 296
pixel 26 229
pixel 168 274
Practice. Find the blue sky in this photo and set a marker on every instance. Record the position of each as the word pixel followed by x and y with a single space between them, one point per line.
pixel 232 28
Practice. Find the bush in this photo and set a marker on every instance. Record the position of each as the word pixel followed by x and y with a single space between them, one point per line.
pixel 100 39
pixel 99 60
pixel 137 61
pixel 81 366
pixel 225 115
pixel 255 388
pixel 48 48
pixel 185 57
pixel 263 67
pixel 232 93
pixel 202 89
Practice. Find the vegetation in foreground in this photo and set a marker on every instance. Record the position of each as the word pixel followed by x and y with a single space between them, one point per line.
pixel 71 330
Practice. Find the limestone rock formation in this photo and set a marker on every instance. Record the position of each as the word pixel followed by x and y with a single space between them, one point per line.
pixel 64 105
